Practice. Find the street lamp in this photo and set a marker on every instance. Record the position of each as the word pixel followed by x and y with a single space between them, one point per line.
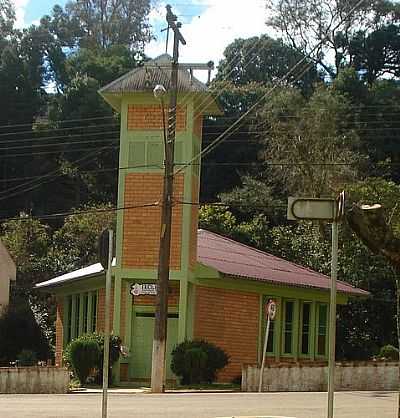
pixel 159 93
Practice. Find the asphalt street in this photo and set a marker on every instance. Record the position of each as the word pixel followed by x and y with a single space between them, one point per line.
pixel 199 405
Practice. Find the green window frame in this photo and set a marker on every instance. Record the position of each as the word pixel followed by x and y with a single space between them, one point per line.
pixel 322 330
pixel 81 315
pixel 305 330
pixel 288 327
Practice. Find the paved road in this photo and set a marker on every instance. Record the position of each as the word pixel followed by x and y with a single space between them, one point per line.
pixel 199 405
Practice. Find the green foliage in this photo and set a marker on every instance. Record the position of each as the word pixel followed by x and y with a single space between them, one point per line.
pixel 19 331
pixel 307 136
pixel 83 355
pixel 93 340
pixel 263 60
pixel 27 358
pixel 197 361
pixel 104 24
pixel 389 352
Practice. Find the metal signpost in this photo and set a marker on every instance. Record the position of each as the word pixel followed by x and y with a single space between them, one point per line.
pixel 329 210
pixel 106 253
pixel 270 311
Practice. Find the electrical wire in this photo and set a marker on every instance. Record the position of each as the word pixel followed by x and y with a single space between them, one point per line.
pixel 223 136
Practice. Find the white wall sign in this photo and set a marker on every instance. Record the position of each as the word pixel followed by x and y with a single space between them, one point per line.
pixel 138 289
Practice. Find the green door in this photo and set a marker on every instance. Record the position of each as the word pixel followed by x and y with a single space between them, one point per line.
pixel 142 344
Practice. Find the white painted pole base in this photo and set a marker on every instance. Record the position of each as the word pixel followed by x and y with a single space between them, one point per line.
pixel 158 367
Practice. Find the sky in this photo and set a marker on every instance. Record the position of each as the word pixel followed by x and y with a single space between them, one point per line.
pixel 208 25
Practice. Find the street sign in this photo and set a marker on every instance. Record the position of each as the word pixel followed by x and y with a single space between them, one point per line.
pixel 270 309
pixel 310 208
pixel 139 289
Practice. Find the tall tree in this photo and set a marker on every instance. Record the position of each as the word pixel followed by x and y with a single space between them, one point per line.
pixel 325 27
pixel 104 23
pixel 310 146
pixel 265 60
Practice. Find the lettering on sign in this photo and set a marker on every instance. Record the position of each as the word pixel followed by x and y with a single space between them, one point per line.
pixel 138 289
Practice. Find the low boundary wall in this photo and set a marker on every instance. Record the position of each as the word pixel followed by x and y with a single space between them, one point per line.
pixel 34 380
pixel 297 377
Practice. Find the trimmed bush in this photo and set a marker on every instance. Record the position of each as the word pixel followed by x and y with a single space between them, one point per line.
pixel 389 352
pixel 84 355
pixel 197 362
pixel 98 340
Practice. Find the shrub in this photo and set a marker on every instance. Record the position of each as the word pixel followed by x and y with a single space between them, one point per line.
pixel 98 339
pixel 197 361
pixel 19 331
pixel 389 352
pixel 27 358
pixel 84 355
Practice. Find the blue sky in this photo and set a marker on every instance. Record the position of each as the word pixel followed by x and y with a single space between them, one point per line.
pixel 208 25
pixel 37 8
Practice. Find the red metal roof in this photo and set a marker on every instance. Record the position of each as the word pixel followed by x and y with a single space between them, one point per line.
pixel 236 259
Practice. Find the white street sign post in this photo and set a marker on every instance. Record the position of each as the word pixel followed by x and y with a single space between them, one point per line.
pixel 328 210
pixel 270 310
pixel 106 258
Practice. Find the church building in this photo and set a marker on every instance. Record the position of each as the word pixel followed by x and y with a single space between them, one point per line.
pixel 218 287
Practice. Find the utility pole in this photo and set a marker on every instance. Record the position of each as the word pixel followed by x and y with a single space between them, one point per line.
pixel 158 371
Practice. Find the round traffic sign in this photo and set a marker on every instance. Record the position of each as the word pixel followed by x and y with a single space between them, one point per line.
pixel 270 309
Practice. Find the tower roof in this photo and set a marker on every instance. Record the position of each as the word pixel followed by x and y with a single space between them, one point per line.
pixel 158 71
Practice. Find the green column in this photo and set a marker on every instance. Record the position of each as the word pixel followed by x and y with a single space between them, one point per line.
pixel 313 327
pixel 117 322
pixel 260 344
pixel 183 309
pixel 296 328
pixel 81 313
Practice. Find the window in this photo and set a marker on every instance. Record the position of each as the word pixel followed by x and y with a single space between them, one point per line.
pixel 85 312
pixel 322 329
pixel 305 328
pixel 81 315
pixel 77 313
pixel 270 345
pixel 94 311
pixel 288 328
pixel 68 335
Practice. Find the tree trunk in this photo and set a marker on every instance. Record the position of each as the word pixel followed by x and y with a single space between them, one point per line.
pixel 369 224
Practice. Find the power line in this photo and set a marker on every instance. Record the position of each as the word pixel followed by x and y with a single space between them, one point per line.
pixel 227 133
pixel 69 151
pixel 31 185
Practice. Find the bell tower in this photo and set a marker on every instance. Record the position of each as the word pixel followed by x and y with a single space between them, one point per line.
pixel 141 171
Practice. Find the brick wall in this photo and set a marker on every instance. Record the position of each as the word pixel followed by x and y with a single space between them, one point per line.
pixel 146 300
pixel 101 298
pixel 141 235
pixel 149 117
pixel 229 319
pixel 59 331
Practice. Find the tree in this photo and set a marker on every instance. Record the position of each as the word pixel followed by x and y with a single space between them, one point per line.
pixel 310 146
pixel 376 54
pixel 108 22
pixel 7 18
pixel 322 28
pixel 264 60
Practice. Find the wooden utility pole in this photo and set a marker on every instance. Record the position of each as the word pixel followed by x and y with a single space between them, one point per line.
pixel 158 371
